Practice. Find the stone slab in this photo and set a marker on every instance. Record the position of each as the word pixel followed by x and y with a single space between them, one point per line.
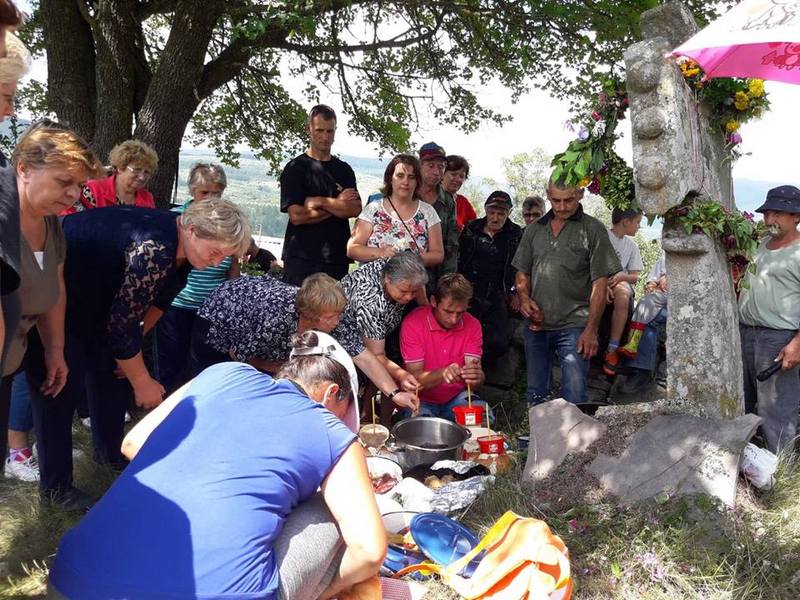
pixel 679 455
pixel 557 428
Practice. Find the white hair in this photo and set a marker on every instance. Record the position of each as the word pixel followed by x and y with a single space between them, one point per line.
pixel 17 61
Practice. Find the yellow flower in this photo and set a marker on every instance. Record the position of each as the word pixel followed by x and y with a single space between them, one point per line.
pixel 756 87
pixel 732 126
pixel 691 72
pixel 741 101
pixel 584 182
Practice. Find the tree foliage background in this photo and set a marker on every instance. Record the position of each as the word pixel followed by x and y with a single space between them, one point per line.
pixel 148 68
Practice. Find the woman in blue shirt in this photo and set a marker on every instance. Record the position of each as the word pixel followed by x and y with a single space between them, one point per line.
pixel 200 511
pixel 124 266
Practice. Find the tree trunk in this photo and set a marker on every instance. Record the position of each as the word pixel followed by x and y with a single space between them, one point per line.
pixel 117 33
pixel 69 45
pixel 172 97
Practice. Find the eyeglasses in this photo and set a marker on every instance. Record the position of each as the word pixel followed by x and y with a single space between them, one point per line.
pixel 139 173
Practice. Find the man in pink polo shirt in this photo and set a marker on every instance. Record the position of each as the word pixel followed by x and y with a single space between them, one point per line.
pixel 441 345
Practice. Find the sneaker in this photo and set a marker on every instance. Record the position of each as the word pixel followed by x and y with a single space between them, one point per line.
pixel 611 363
pixel 23 466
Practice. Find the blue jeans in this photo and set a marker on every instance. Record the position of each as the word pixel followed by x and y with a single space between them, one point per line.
pixel 21 416
pixel 445 411
pixel 539 348
pixel 647 355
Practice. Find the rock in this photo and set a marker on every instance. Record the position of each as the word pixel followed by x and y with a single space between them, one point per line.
pixel 678 455
pixel 557 428
pixel 678 155
pixel 671 21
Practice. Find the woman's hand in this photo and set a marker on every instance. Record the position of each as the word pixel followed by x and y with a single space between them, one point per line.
pixel 386 252
pixel 408 400
pixel 56 376
pixel 369 589
pixel 148 392
pixel 408 382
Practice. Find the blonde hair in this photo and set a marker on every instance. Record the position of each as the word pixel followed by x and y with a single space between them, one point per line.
pixel 319 293
pixel 205 174
pixel 219 220
pixel 17 61
pixel 133 151
pixel 46 146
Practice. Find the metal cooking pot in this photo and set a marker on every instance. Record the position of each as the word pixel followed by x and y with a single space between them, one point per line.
pixel 424 440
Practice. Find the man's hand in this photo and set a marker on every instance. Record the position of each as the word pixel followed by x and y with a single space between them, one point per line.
pixel 451 373
pixel 790 354
pixel 514 303
pixel 148 392
pixel 587 343
pixel 662 284
pixel 616 279
pixel 472 373
pixel 408 382
pixel 406 399
pixel 349 195
pixel 57 371
pixel 529 308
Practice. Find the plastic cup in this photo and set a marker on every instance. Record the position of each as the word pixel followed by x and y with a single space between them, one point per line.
pixel 492 444
pixel 469 416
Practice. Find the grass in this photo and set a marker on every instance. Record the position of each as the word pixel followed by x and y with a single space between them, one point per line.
pixel 689 548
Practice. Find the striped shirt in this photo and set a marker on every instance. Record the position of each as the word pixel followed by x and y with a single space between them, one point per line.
pixel 201 282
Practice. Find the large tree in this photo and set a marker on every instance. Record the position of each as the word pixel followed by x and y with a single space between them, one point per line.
pixel 147 68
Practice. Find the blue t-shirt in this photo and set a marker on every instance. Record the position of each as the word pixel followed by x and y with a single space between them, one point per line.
pixel 196 512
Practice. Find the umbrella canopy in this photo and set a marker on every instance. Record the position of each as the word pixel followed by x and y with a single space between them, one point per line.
pixel 757 38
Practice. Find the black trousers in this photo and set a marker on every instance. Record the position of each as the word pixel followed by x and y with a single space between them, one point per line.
pixel 91 376
pixel 295 270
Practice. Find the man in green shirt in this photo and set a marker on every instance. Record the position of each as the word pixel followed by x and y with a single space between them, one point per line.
pixel 769 318
pixel 432 164
pixel 563 263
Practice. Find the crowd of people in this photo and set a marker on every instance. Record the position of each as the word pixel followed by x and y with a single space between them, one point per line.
pixel 244 477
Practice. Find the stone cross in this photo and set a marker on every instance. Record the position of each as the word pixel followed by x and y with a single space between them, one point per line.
pixel 678 154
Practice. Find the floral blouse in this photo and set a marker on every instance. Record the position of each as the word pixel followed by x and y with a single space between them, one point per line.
pixel 255 317
pixel 389 230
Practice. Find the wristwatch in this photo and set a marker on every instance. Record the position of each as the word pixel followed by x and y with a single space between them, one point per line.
pixel 391 395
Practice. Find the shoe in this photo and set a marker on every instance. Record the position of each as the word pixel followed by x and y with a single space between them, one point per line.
pixel 73 500
pixel 611 363
pixel 631 349
pixel 23 466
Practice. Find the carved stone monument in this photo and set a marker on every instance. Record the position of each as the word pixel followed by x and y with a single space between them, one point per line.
pixel 678 155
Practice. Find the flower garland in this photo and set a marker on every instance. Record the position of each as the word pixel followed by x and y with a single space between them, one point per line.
pixel 739 232
pixel 590 161
pixel 730 101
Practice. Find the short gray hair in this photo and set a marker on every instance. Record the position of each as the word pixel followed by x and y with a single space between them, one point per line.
pixel 17 61
pixel 406 266
pixel 219 220
pixel 205 174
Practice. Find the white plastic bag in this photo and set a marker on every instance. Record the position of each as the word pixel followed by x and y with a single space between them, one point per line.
pixel 758 466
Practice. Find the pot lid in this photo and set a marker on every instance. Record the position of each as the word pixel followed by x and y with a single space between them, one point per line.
pixel 443 540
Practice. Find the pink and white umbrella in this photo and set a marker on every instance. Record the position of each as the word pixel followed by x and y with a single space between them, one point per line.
pixel 757 38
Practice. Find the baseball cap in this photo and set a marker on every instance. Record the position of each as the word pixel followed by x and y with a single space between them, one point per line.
pixel 784 198
pixel 432 150
pixel 498 199
pixel 327 346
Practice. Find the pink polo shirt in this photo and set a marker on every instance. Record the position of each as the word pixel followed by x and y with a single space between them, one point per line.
pixel 422 339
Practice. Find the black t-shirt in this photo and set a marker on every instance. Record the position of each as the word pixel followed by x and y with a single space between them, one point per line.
pixel 9 229
pixel 303 177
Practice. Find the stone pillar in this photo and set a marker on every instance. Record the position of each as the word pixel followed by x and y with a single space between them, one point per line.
pixel 677 154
